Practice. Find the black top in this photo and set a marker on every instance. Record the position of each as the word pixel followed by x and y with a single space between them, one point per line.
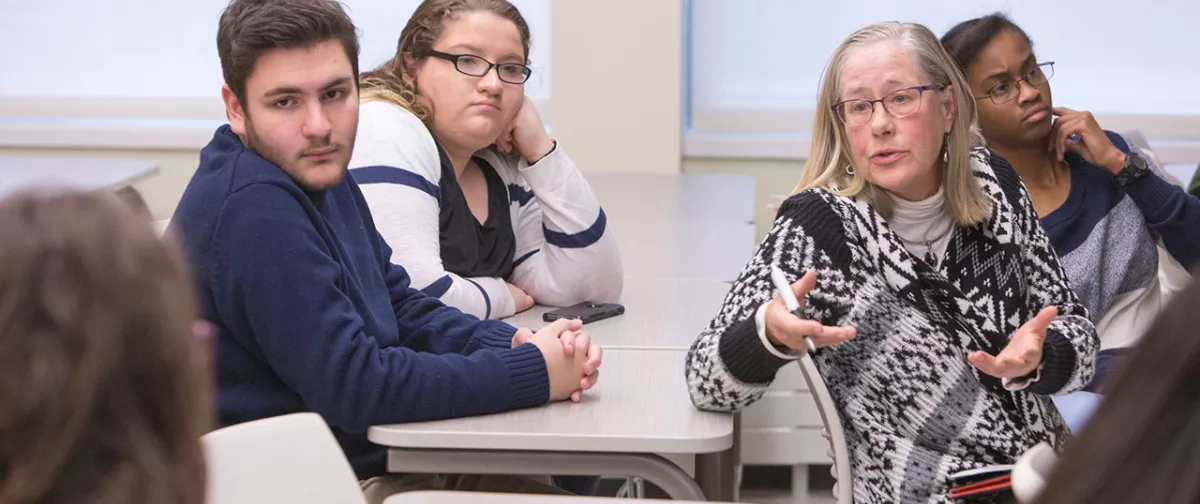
pixel 469 248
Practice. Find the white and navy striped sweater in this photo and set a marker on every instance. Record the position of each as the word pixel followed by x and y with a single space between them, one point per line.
pixel 564 253
pixel 914 410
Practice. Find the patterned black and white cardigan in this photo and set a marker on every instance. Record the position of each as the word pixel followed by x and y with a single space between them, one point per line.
pixel 914 410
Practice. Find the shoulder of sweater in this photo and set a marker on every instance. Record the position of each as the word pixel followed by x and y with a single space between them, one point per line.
pixel 990 166
pixel 813 211
pixel 504 165
pixel 810 206
pixel 385 121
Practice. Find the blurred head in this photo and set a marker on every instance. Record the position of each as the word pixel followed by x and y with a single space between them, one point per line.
pixel 291 88
pixel 1140 443
pixel 104 390
pixel 1008 82
pixel 438 70
pixel 890 105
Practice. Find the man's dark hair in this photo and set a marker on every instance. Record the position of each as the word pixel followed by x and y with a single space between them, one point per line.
pixel 250 28
pixel 968 38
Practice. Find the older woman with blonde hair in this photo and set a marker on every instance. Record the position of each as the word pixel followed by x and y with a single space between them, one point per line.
pixel 930 299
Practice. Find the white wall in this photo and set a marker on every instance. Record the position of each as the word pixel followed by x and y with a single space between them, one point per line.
pixel 587 107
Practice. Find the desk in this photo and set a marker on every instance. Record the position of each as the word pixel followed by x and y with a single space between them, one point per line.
pixel 87 174
pixel 444 497
pixel 617 430
pixel 704 197
pixel 660 314
pixel 688 248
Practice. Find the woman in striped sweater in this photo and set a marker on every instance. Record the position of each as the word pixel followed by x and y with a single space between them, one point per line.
pixel 941 317
pixel 478 203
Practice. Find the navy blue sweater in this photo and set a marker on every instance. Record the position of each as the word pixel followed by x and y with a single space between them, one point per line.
pixel 1106 237
pixel 313 317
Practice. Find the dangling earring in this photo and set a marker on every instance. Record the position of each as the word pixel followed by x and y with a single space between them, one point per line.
pixel 850 170
pixel 946 149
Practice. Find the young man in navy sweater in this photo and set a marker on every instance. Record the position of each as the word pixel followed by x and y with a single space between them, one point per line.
pixel 291 270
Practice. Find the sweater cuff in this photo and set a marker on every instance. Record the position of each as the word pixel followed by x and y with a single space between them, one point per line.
pixel 529 380
pixel 497 335
pixel 745 356
pixel 1058 364
pixel 548 172
pixel 1023 382
pixel 498 300
pixel 760 326
pixel 1152 194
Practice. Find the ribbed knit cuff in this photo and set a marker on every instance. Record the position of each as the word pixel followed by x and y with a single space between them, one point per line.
pixel 1152 194
pixel 1058 364
pixel 745 356
pixel 497 335
pixel 528 377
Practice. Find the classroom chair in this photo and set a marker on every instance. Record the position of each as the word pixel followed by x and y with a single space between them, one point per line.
pixel 843 490
pixel 292 459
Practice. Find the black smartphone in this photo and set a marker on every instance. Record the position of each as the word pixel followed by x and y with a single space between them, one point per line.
pixel 586 312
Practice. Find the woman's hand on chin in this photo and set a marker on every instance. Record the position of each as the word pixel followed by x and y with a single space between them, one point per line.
pixel 527 134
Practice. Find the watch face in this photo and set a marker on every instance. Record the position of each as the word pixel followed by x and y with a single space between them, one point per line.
pixel 1136 161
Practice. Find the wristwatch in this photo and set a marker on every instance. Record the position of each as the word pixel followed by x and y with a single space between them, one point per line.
pixel 1136 167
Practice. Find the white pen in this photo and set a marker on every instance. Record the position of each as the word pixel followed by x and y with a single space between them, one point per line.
pixel 789 299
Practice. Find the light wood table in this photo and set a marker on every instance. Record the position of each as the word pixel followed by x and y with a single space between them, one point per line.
pixel 674 197
pixel 446 497
pixel 696 249
pixel 639 409
pixel 660 314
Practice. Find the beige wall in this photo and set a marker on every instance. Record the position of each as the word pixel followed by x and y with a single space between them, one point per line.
pixel 618 79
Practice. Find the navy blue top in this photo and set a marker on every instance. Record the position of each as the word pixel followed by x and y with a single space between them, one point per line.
pixel 1169 212
pixel 312 316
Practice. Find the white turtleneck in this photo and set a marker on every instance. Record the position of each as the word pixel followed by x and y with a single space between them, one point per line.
pixel 923 226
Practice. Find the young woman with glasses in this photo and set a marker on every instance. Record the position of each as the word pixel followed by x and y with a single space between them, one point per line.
pixel 482 207
pixel 1122 231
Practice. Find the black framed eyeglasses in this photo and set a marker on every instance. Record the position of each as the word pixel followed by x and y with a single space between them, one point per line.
pixel 1006 91
pixel 470 64
pixel 898 103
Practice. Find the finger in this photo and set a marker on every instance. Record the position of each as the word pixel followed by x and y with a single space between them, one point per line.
pixel 576 396
pixel 1063 111
pixel 523 335
pixel 595 356
pixel 1035 329
pixel 589 381
pixel 1041 322
pixel 568 341
pixel 1064 129
pixel 834 335
pixel 583 341
pixel 797 328
pixel 802 286
pixel 563 324
pixel 984 362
